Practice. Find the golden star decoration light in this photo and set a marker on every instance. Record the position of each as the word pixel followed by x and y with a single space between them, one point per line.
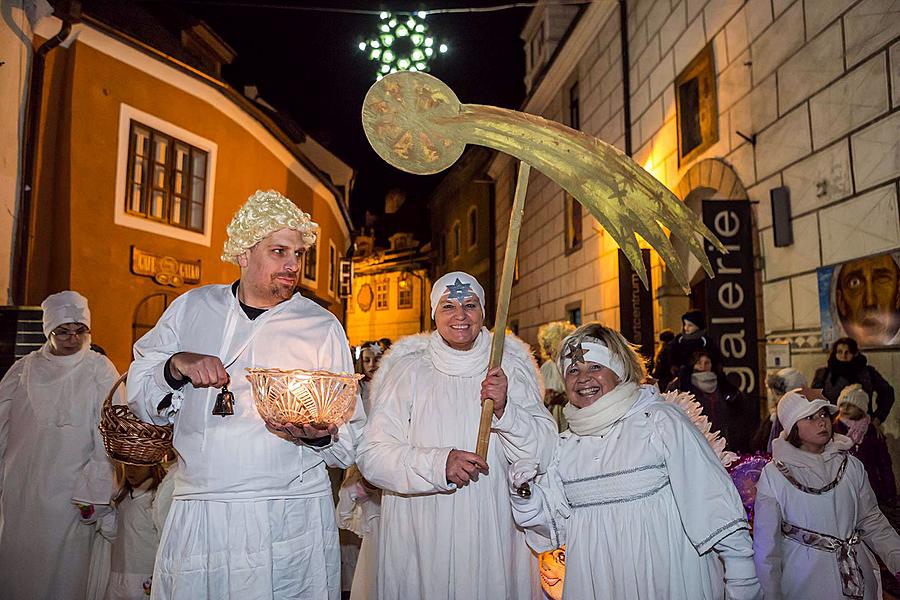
pixel 298 397
pixel 403 43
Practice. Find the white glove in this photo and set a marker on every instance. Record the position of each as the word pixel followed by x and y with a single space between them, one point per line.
pixel 522 471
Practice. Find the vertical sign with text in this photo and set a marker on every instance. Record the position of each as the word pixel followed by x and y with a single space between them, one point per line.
pixel 636 305
pixel 731 294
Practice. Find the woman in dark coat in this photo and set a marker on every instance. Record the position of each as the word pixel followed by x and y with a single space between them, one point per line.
pixel 721 400
pixel 847 365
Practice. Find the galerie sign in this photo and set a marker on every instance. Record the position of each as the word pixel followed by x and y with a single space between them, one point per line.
pixel 636 305
pixel 731 294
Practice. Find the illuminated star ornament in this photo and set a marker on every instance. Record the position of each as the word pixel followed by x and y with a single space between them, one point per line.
pixel 576 353
pixel 459 291
pixel 403 43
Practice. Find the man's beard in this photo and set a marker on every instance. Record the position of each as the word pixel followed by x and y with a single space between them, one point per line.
pixel 280 290
pixel 873 327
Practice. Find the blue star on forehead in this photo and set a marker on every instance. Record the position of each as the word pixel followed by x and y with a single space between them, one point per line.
pixel 459 291
pixel 576 353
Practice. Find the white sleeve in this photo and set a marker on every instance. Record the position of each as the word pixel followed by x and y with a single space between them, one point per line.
pixel 11 390
pixel 526 428
pixel 736 553
pixel 767 538
pixel 96 484
pixel 386 457
pixel 147 385
pixel 544 515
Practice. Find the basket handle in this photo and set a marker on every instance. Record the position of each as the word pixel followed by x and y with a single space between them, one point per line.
pixel 109 396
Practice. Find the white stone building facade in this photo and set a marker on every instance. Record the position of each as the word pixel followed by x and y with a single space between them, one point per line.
pixel 807 97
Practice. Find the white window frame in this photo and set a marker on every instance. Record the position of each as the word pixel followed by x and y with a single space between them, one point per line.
pixel 120 215
pixel 473 235
pixel 311 283
pixel 332 268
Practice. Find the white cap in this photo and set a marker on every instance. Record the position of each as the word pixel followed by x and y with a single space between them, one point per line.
pixel 795 405
pixel 65 307
pixel 459 285
pixel 855 395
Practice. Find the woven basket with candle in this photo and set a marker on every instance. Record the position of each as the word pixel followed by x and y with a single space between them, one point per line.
pixel 298 397
pixel 129 440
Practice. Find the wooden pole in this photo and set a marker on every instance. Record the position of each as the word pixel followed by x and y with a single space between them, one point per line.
pixel 506 281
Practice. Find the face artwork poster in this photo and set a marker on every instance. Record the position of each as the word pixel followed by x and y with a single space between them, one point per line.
pixel 861 299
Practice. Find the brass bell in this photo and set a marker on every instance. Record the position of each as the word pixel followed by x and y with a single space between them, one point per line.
pixel 224 405
pixel 524 491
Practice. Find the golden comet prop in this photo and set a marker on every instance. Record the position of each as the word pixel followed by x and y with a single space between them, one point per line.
pixel 416 123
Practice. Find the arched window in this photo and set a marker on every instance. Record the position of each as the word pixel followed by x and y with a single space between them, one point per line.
pixel 148 312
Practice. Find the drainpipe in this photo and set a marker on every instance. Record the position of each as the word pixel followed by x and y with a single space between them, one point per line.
pixel 626 81
pixel 32 119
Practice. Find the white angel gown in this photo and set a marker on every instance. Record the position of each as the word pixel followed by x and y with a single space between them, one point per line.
pixel 436 541
pixel 789 570
pixel 253 515
pixel 52 456
pixel 134 546
pixel 640 510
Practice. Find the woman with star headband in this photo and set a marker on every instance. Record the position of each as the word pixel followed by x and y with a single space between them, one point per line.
pixel 446 528
pixel 634 490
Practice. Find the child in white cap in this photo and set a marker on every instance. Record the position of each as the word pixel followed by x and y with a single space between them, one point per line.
pixel 868 444
pixel 814 507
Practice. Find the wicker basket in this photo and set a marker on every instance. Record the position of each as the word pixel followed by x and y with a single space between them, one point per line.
pixel 129 440
pixel 299 397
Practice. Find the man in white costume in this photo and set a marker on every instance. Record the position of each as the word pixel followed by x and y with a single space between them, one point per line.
pixel 252 515
pixel 52 457
pixel 446 528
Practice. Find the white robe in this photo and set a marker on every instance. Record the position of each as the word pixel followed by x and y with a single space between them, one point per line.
pixel 253 515
pixel 134 546
pixel 640 510
pixel 791 571
pixel 436 541
pixel 52 456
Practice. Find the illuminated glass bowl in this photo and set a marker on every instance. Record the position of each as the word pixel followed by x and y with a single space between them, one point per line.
pixel 298 397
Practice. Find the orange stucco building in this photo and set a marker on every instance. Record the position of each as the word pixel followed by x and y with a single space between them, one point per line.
pixel 142 159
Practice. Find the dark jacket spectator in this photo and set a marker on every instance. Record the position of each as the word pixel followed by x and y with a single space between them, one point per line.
pixel 721 400
pixel 662 362
pixel 693 338
pixel 846 366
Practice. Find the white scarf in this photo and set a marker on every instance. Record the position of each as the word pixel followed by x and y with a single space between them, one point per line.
pixel 467 363
pixel 706 381
pixel 605 412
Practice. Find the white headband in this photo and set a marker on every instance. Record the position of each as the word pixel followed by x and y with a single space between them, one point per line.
pixel 459 285
pixel 591 350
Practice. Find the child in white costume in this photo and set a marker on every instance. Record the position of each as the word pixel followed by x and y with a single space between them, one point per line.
pixel 635 491
pixel 141 505
pixel 814 507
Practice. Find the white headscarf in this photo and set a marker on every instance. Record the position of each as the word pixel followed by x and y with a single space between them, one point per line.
pixel 65 307
pixel 456 282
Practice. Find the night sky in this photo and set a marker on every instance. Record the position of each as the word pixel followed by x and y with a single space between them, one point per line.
pixel 308 65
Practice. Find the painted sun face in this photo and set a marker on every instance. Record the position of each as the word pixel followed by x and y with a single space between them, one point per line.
pixel 553 572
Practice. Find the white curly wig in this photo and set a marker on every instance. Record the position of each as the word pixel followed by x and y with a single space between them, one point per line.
pixel 263 214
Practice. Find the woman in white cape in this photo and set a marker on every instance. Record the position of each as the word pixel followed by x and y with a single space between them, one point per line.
pixel 634 491
pixel 52 457
pixel 446 528
pixel 816 515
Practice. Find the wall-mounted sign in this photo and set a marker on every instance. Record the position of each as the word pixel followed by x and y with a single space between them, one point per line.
pixel 731 295
pixel 636 305
pixel 164 270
